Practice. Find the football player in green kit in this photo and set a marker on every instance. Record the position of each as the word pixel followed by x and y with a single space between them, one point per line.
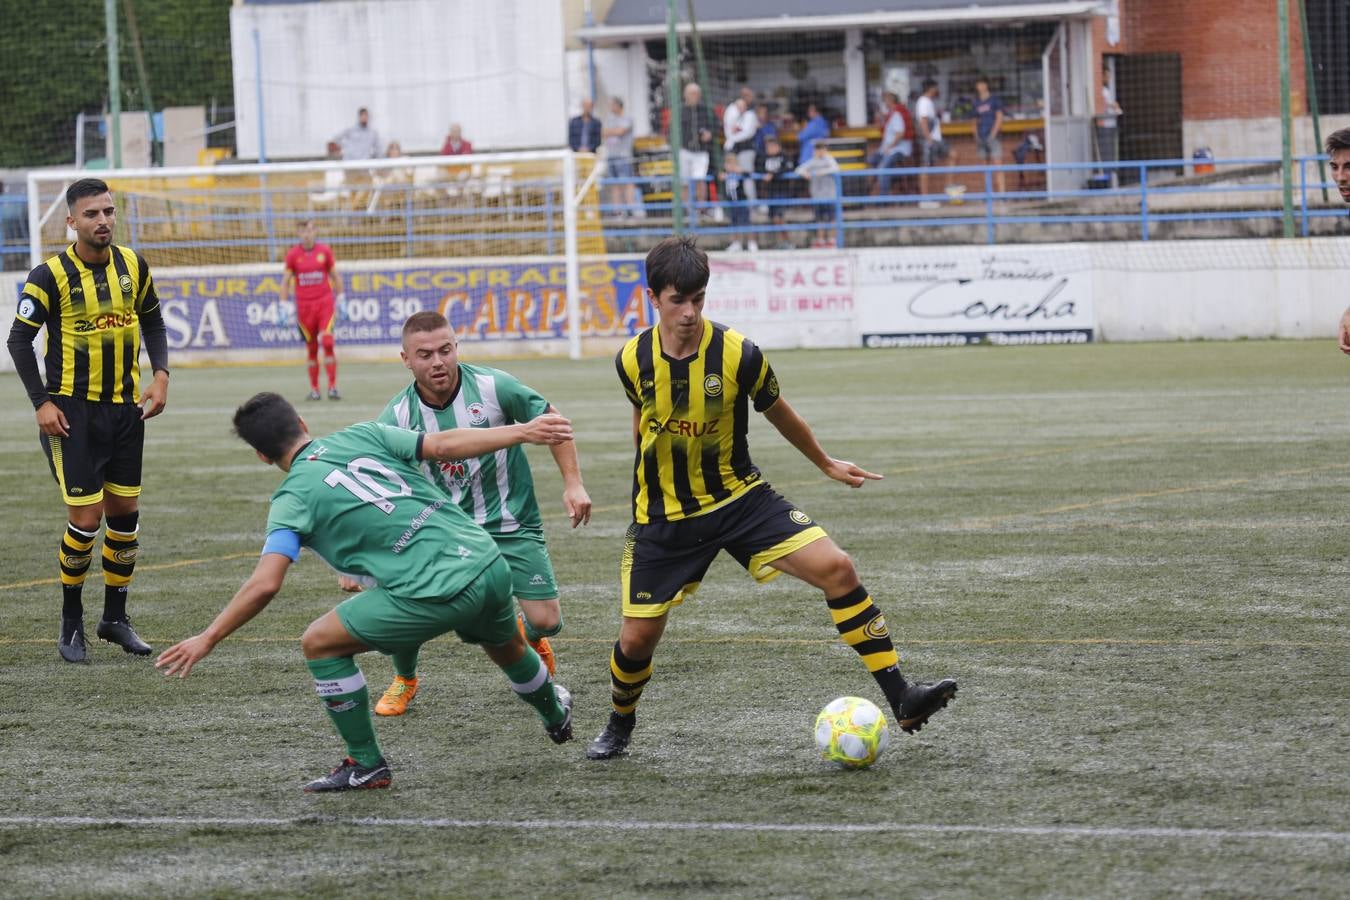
pixel 358 498
pixel 495 489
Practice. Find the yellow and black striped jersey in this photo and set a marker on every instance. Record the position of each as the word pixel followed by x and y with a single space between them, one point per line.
pixel 693 454
pixel 92 314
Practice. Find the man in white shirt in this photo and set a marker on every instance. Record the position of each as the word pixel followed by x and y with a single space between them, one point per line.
pixel 896 145
pixel 932 149
pixel 741 124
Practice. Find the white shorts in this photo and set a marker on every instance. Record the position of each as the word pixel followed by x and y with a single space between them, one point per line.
pixel 693 165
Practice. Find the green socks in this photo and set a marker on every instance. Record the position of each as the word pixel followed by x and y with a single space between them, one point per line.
pixel 405 662
pixel 342 688
pixel 529 679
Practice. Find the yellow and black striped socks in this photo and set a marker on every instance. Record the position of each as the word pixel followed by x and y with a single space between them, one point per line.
pixel 74 556
pixel 863 627
pixel 120 549
pixel 627 678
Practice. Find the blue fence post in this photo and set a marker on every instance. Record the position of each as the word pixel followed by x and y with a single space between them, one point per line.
pixel 989 203
pixel 839 210
pixel 408 220
pixel 1303 192
pixel 1143 201
pixel 548 219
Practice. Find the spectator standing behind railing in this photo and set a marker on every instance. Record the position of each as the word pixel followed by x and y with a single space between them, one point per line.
pixel 696 137
pixel 897 144
pixel 932 148
pixel 736 184
pixel 741 125
pixel 767 128
pixel 618 135
pixel 822 169
pixel 815 128
pixel 455 145
pixel 773 168
pixel 583 132
pixel 360 141
pixel 988 129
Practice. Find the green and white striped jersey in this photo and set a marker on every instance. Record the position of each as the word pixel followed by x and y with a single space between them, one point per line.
pixel 496 489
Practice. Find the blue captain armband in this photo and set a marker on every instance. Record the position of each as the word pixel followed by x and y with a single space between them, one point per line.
pixel 285 542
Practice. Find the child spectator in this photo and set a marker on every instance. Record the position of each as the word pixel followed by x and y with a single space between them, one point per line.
pixel 737 199
pixel 773 168
pixel 822 168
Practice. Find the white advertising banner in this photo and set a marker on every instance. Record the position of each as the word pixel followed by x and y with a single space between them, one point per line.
pixel 785 300
pixel 956 296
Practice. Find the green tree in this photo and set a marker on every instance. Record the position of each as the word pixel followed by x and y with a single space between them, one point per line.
pixel 55 66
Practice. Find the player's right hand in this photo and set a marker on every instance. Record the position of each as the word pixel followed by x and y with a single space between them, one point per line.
pixel 549 428
pixel 1345 331
pixel 51 421
pixel 349 584
pixel 182 656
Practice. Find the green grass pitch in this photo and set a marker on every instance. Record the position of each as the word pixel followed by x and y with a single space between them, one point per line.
pixel 1132 557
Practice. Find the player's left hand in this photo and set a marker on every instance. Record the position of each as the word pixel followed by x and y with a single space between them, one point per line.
pixel 182 656
pixel 578 505
pixel 848 473
pixel 155 396
pixel 1345 331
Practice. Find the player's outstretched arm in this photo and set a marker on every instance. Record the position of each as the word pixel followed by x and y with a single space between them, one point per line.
pixel 792 426
pixel 248 601
pixel 576 501
pixel 1345 331
pixel 462 443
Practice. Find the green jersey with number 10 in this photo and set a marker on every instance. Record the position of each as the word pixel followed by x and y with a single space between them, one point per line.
pixel 496 489
pixel 358 498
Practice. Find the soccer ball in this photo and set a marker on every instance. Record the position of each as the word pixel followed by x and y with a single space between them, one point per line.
pixel 851 732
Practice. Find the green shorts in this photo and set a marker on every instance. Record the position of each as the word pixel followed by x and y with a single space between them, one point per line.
pixel 531 569
pixel 482 613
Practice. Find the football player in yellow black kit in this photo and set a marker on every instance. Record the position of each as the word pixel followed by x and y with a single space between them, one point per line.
pixel 97 301
pixel 696 492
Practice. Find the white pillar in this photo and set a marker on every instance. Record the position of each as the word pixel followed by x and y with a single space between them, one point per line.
pixel 639 106
pixel 855 78
pixel 571 264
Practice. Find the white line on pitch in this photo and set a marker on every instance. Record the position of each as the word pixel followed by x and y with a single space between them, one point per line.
pixel 1087 831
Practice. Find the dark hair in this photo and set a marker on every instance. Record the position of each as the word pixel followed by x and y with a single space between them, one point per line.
pixel 891 96
pixel 85 187
pixel 982 79
pixel 678 262
pixel 426 320
pixel 618 100
pixel 928 83
pixel 1338 140
pixel 268 423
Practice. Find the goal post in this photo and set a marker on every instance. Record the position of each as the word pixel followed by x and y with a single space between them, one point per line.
pixel 494 240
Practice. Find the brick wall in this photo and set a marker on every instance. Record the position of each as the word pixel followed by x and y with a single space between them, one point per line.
pixel 1229 53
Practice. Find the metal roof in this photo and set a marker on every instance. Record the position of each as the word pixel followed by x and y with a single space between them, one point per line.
pixel 643 19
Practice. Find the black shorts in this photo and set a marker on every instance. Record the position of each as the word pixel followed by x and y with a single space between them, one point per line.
pixel 101 452
pixel 664 562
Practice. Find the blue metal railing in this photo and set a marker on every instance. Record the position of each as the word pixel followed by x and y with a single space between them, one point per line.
pixel 854 209
pixel 428 218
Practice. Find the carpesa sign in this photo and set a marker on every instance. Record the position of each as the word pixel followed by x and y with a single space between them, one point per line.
pixel 242 308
